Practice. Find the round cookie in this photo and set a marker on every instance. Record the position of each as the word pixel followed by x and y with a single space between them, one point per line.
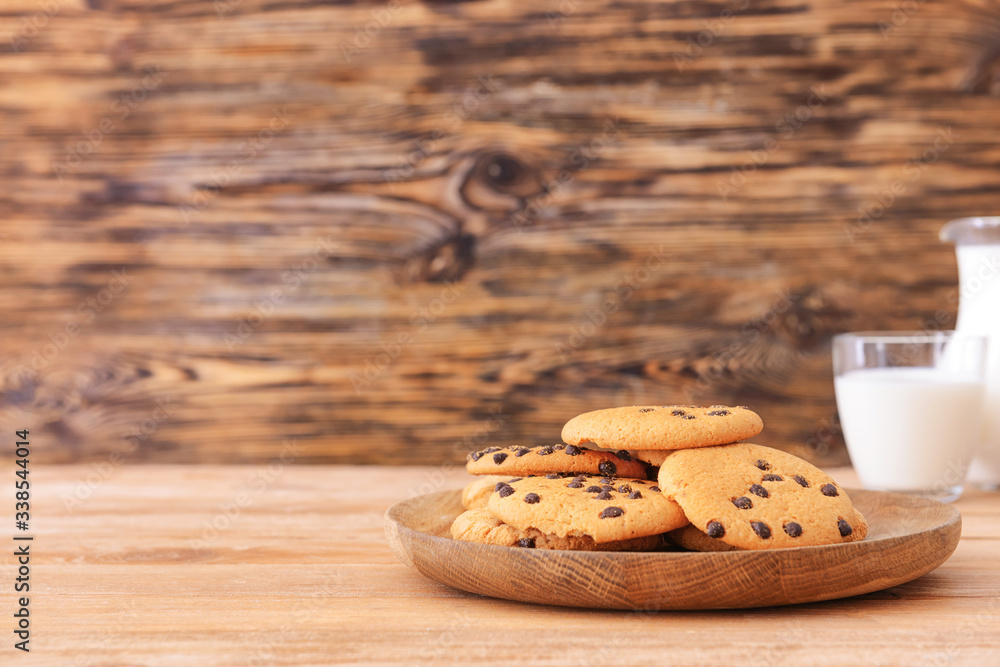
pixel 693 539
pixel 603 508
pixel 541 460
pixel 478 492
pixel 860 525
pixel 480 526
pixel 654 457
pixel 755 497
pixel 662 427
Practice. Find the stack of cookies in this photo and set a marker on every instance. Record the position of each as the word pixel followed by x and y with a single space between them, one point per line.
pixel 625 478
pixel 564 497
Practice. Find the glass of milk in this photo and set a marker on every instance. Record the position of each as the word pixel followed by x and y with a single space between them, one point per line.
pixel 911 406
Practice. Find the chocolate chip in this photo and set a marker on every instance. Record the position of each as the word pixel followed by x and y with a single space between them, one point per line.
pixel 715 529
pixel 603 495
pixel 607 468
pixel 606 480
pixel 499 458
pixel 499 485
pixel 558 446
pixel 717 413
pixel 490 450
pixel 743 503
pixel 759 490
pixel 545 451
pixel 762 529
pixel 516 479
pixel 607 487
pixel 624 488
pixel 572 450
pixel 505 490
pixel 521 451
pixel 829 490
pixel 611 512
pixel 623 455
pixel 801 480
pixel 771 477
pixel 688 417
pixel 793 529
pixel 654 488
pixel 678 413
pixel 845 528
pixel 639 481
pixel 635 495
pixel 646 409
pixel 594 489
pixel 531 498
pixel 582 478
pixel 553 475
pixel 475 456
pixel 763 465
pixel 575 484
pixel 526 542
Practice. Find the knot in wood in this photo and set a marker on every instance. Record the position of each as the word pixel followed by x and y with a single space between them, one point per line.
pixel 446 260
pixel 499 182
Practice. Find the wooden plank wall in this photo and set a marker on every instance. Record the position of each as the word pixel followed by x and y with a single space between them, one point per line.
pixel 391 230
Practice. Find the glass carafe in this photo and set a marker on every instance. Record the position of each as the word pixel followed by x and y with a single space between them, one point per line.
pixel 977 243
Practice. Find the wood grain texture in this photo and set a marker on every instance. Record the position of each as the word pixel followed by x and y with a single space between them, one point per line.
pixel 394 231
pixel 303 575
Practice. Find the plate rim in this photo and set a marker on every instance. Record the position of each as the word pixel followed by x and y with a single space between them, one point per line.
pixel 397 532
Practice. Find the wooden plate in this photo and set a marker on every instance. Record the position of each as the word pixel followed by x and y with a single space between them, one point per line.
pixel 908 537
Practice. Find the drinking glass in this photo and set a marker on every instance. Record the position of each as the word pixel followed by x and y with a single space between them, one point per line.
pixel 911 407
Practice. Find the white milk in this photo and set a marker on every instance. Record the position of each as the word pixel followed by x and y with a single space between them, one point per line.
pixel 910 429
pixel 979 313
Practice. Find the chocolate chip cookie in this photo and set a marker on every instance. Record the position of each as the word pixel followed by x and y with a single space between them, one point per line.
pixel 693 539
pixel 603 508
pixel 658 427
pixel 480 526
pixel 541 460
pixel 654 457
pixel 477 493
pixel 756 497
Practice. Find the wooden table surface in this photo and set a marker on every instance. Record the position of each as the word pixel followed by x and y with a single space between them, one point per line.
pixel 288 565
pixel 370 224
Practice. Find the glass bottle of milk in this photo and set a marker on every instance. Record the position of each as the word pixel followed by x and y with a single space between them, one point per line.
pixel 977 243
